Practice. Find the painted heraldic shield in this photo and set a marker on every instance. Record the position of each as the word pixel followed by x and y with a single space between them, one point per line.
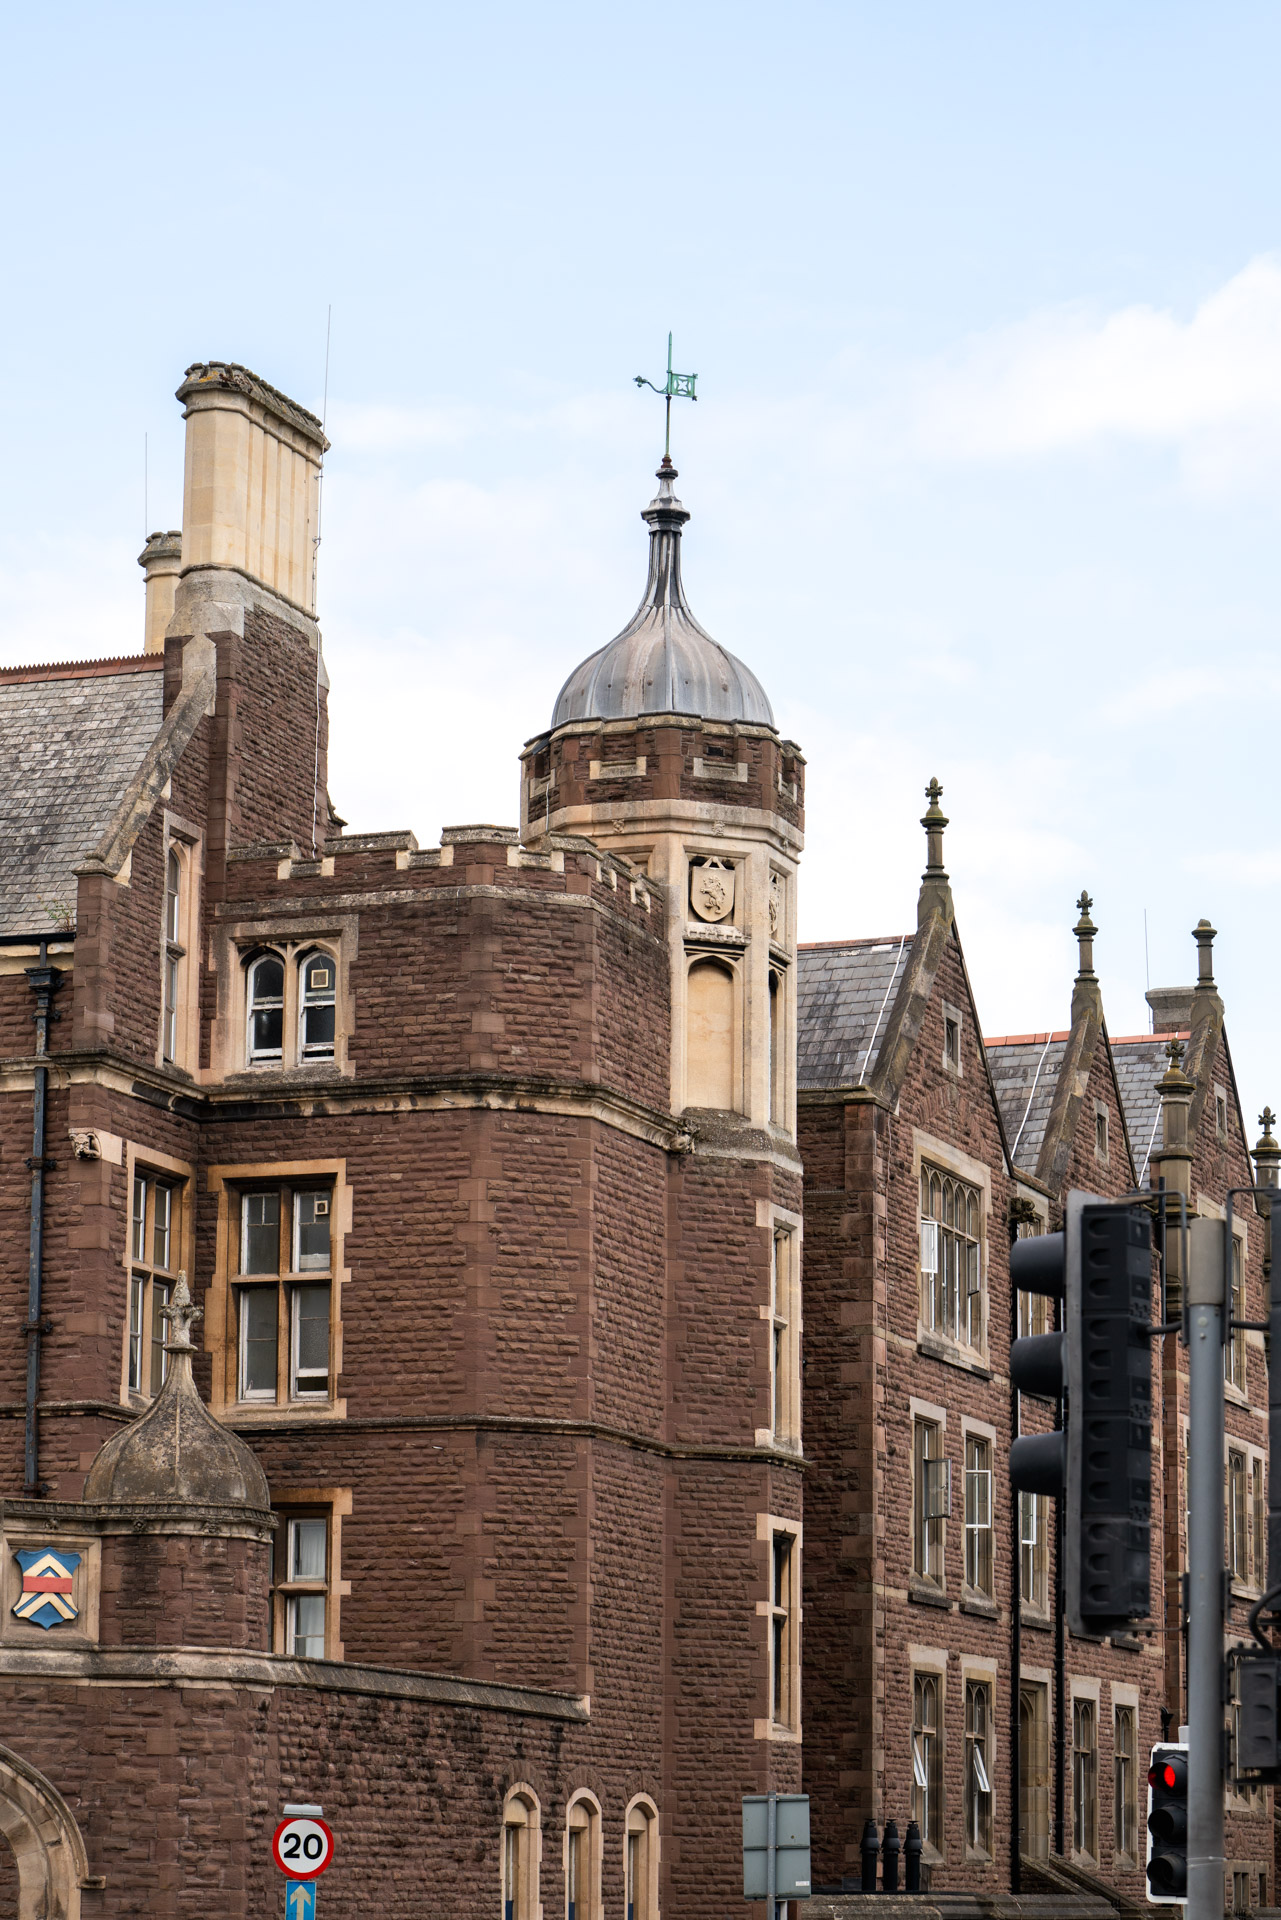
pixel 46 1586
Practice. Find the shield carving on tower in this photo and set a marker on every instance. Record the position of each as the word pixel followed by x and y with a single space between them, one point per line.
pixel 711 890
pixel 48 1576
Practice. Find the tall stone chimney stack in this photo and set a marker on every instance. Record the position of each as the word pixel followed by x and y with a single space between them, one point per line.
pixel 251 488
pixel 161 562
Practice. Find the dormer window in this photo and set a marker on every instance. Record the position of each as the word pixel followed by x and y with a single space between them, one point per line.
pixel 317 1007
pixel 266 1008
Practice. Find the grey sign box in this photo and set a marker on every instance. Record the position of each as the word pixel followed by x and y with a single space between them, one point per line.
pixel 792 1851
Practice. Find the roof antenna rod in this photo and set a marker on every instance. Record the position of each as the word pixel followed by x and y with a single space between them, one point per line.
pixel 677 386
pixel 146 509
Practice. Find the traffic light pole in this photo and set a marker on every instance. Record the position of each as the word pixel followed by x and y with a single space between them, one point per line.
pixel 1206 1290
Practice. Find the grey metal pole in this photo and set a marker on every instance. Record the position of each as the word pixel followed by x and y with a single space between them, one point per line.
pixel 771 1858
pixel 1206 1295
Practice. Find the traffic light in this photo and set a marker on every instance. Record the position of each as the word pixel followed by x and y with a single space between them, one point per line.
pixel 1101 1267
pixel 1256 1759
pixel 1168 1824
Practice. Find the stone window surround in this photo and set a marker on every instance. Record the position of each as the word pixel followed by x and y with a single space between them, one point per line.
pixel 1125 1695
pixel 145 1160
pixel 590 1907
pixel 980 1430
pixel 780 1220
pixel 1207 1209
pixel 292 938
pixel 1103 1157
pixel 951 1159
pixel 982 1668
pixel 925 1410
pixel 954 1016
pixel 641 1816
pixel 290 1502
pixel 523 1811
pixel 934 1661
pixel 1080 1687
pixel 184 838
pixel 1256 1460
pixel 767 1526
pixel 226 1183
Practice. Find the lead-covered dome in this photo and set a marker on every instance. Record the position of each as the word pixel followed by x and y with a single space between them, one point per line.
pixel 176 1453
pixel 662 661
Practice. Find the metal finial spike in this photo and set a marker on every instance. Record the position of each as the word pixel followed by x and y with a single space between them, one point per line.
pixel 677 386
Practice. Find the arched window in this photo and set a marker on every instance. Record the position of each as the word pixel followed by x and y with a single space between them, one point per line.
pixel 317 983
pixel 174 954
pixel 520 1855
pixel 927 1760
pixel 582 1859
pixel 775 1047
pixel 266 1007
pixel 640 1861
pixel 709 1031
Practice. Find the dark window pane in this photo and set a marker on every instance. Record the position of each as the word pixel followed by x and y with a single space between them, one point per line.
pixel 311 1232
pixel 260 1239
pixel 320 976
pixel 269 981
pixel 159 1332
pixel 318 1029
pixel 258 1342
pixel 267 1030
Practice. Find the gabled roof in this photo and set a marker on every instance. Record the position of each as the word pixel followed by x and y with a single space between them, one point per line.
pixel 844 992
pixel 69 748
pixel 1141 1060
pixel 1025 1071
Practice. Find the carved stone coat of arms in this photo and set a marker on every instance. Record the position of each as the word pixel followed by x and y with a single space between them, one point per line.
pixel 711 890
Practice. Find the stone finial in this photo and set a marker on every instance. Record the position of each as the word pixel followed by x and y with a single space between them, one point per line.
pixel 1267 1151
pixel 1203 933
pixel 934 820
pixel 1085 931
pixel 180 1313
pixel 1174 1052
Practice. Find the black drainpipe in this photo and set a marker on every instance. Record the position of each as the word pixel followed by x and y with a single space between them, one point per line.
pixel 1016 1607
pixel 45 981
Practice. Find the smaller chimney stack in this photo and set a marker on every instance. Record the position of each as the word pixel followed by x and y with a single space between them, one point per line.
pixel 161 563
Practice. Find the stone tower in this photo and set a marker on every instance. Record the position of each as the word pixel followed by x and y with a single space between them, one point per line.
pixel 663 748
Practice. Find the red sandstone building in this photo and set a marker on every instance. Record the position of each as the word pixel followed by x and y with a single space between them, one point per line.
pixel 470 1505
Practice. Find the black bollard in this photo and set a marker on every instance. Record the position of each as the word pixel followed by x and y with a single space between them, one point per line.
pixel 871 1847
pixel 912 1859
pixel 890 1849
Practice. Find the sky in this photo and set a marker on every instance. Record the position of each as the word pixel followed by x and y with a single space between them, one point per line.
pixel 984 470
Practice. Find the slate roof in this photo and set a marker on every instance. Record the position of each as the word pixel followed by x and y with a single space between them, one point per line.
pixel 70 743
pixel 1025 1071
pixel 845 989
pixel 1141 1060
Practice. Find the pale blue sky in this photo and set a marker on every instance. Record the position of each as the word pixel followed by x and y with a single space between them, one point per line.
pixel 985 304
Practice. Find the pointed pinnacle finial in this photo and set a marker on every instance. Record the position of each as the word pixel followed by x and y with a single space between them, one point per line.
pixel 934 820
pixel 1267 1154
pixel 1085 931
pixel 1267 1120
pixel 1174 1052
pixel 1203 933
pixel 180 1313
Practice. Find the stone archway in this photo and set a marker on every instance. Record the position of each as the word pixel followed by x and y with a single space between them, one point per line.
pixel 48 1850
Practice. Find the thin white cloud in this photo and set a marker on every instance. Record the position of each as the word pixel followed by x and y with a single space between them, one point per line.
pixel 1208 386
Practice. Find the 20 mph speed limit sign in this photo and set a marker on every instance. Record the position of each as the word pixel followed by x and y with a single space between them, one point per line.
pixel 302 1848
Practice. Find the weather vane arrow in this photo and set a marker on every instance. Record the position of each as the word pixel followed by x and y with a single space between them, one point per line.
pixel 677 386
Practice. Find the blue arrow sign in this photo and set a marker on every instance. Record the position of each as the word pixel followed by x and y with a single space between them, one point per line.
pixel 300 1900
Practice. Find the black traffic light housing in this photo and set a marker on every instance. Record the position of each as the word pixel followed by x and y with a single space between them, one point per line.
pixel 1168 1824
pixel 1101 1267
pixel 1256 1757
